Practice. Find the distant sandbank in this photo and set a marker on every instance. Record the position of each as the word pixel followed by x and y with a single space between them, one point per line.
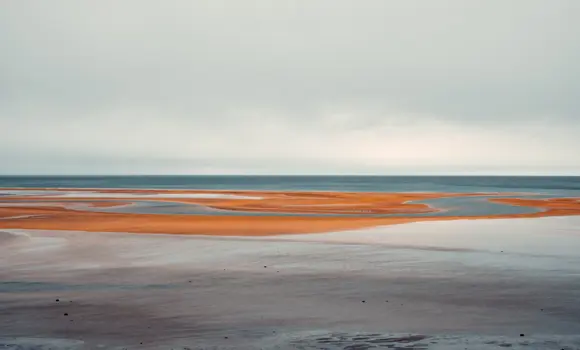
pixel 32 212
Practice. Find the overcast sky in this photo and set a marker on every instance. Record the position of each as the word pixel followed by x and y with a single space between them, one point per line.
pixel 290 87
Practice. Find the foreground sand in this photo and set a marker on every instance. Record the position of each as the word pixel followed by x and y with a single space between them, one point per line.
pixel 499 278
pixel 57 217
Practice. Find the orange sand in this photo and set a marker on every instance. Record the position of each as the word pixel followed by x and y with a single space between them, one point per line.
pixel 58 218
pixel 552 207
pixel 290 202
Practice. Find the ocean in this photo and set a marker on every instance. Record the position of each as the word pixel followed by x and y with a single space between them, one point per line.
pixel 560 185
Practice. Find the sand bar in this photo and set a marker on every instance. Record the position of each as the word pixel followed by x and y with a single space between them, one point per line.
pixel 60 217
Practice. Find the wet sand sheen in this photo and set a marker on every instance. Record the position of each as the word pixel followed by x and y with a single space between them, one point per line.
pixel 184 292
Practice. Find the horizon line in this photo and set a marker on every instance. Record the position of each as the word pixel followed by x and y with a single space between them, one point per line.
pixel 288 175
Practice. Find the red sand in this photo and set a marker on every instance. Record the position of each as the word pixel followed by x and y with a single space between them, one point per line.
pixel 58 218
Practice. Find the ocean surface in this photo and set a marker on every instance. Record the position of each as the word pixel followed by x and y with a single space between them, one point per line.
pixel 564 185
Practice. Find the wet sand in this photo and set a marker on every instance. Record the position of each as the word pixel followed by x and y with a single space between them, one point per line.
pixel 553 205
pixel 270 201
pixel 58 217
pixel 485 284
pixel 351 283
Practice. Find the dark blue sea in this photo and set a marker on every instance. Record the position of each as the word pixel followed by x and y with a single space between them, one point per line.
pixel 560 185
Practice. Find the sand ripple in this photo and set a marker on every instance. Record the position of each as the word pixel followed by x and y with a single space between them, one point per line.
pixel 364 341
pixel 40 344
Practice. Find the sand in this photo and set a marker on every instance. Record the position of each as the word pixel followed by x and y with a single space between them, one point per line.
pixel 58 217
pixel 293 202
pixel 499 278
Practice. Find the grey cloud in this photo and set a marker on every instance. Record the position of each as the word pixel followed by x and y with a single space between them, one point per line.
pixel 260 80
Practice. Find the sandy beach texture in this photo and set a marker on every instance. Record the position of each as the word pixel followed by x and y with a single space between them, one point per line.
pixel 22 212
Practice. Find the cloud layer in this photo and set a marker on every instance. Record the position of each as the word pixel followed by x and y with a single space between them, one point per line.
pixel 299 87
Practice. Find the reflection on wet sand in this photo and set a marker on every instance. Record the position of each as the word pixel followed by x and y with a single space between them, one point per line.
pixel 429 284
pixel 400 287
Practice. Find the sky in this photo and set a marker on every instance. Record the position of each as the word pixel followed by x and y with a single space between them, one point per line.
pixel 383 87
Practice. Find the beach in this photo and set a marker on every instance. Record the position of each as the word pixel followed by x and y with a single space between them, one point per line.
pixel 332 267
pixel 290 175
pixel 250 213
pixel 476 284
